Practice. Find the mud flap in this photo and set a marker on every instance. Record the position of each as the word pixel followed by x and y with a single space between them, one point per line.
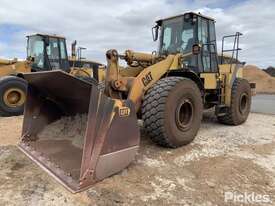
pixel 110 138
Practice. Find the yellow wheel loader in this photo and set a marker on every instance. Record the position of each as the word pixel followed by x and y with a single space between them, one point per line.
pixel 82 134
pixel 44 53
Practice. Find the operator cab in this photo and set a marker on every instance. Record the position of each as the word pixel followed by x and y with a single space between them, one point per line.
pixel 178 34
pixel 47 53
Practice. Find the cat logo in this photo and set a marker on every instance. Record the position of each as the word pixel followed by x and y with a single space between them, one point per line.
pixel 124 111
pixel 147 79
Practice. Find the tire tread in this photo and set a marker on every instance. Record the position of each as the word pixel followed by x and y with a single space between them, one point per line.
pixel 229 118
pixel 153 108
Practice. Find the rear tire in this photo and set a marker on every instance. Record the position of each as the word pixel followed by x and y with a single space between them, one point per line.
pixel 240 104
pixel 12 95
pixel 172 111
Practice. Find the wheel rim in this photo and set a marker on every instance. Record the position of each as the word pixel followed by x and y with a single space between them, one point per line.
pixel 184 115
pixel 243 103
pixel 14 97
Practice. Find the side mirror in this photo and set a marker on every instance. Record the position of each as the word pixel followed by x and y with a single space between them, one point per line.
pixel 155 33
pixel 196 49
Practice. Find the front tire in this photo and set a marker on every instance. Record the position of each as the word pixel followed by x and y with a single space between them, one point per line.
pixel 172 111
pixel 12 95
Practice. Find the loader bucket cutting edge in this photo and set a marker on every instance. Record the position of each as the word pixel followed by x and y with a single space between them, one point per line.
pixel 75 132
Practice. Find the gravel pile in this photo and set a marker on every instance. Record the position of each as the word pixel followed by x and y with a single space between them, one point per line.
pixel 67 128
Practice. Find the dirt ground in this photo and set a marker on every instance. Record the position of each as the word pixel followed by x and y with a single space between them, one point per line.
pixel 10 130
pixel 221 159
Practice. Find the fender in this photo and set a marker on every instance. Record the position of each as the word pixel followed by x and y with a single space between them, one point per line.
pixel 188 74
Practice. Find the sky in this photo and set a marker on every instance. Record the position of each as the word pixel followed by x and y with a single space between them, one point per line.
pixel 100 25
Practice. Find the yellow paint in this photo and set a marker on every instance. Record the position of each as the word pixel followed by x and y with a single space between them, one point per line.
pixel 210 80
pixel 156 72
pixel 15 68
pixel 226 75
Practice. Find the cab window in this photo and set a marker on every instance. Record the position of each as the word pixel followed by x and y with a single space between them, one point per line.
pixel 187 38
pixel 167 38
pixel 36 51
pixel 53 53
pixel 203 37
pixel 63 49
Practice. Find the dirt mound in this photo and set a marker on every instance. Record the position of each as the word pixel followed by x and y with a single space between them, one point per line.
pixel 264 82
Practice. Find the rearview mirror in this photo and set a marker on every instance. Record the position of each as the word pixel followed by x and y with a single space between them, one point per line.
pixel 196 49
pixel 155 32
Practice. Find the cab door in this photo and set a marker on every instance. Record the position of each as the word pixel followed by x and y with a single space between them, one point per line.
pixel 207 38
pixel 53 53
pixel 64 61
pixel 57 54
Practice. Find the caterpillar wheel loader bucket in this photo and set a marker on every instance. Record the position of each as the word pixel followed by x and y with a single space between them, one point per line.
pixel 75 132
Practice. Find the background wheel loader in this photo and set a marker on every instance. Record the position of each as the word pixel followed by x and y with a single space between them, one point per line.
pixel 86 134
pixel 44 53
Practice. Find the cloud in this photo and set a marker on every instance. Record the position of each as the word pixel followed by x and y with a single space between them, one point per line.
pixel 105 24
pixel 256 24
